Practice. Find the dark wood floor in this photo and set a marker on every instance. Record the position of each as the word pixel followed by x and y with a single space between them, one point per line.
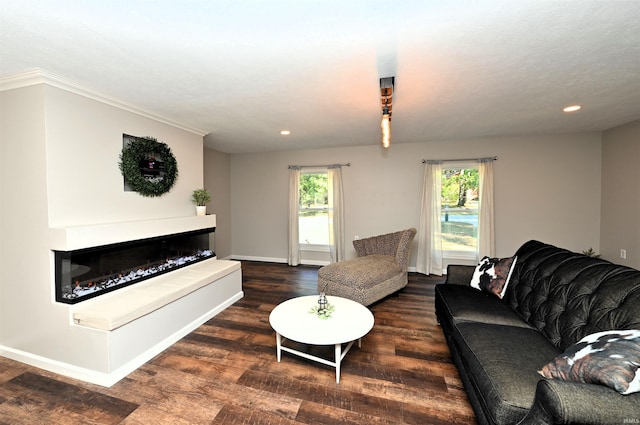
pixel 225 372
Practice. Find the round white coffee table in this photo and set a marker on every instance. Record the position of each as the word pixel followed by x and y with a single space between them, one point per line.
pixel 293 320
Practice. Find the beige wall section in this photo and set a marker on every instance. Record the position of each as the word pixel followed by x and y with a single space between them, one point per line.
pixel 84 142
pixel 217 182
pixel 25 285
pixel 620 225
pixel 546 188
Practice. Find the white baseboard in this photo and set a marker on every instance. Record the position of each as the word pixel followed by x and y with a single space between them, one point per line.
pixel 284 260
pixel 275 260
pixel 263 259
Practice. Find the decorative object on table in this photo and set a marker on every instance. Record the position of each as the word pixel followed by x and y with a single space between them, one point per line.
pixel 200 197
pixel 323 309
pixel 322 302
pixel 323 313
pixel 148 166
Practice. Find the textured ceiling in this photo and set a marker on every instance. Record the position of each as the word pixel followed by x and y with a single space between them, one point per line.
pixel 243 70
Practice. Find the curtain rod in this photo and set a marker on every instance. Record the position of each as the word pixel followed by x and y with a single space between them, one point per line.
pixel 348 164
pixel 495 158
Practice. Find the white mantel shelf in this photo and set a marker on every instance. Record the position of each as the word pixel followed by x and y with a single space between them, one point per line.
pixel 80 237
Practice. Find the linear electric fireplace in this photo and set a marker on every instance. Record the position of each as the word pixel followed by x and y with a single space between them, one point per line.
pixel 86 273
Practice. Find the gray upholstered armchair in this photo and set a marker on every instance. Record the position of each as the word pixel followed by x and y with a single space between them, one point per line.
pixel 379 270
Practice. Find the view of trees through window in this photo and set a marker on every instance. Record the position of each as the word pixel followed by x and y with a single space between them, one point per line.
pixel 460 209
pixel 313 221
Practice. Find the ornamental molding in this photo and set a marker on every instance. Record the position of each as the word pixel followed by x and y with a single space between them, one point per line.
pixel 40 76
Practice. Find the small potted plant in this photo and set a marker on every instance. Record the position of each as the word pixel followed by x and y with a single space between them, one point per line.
pixel 591 253
pixel 200 197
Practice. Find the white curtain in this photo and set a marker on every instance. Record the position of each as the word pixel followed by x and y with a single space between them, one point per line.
pixel 294 201
pixel 429 259
pixel 486 226
pixel 336 214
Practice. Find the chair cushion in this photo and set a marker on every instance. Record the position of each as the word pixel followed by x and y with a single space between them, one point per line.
pixel 361 271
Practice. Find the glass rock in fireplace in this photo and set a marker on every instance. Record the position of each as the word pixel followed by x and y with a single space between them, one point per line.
pixel 87 273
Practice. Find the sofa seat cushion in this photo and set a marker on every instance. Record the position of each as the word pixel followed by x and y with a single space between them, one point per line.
pixel 501 363
pixel 463 303
pixel 361 272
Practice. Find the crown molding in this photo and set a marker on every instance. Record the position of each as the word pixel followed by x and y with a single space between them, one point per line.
pixel 40 76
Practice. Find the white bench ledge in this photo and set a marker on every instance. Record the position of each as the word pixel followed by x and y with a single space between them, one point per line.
pixel 115 309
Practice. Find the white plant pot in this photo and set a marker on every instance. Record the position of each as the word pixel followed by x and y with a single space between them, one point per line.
pixel 201 210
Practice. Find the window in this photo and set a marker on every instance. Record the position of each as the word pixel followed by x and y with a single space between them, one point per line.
pixel 459 214
pixel 313 210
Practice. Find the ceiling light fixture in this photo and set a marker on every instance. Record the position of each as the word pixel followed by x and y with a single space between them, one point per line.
pixel 572 108
pixel 386 99
pixel 385 125
pixel 285 132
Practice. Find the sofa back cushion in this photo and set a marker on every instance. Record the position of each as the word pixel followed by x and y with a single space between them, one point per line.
pixel 566 295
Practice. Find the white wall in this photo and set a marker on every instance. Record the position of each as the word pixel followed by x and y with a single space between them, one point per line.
pixel 546 188
pixel 620 227
pixel 60 154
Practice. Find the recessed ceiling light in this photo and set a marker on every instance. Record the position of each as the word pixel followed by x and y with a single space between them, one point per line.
pixel 285 132
pixel 572 108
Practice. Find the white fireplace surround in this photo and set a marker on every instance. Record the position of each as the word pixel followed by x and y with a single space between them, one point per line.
pixel 36 329
pixel 110 336
pixel 78 237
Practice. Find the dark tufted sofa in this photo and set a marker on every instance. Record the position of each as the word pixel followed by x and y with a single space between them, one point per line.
pixel 554 298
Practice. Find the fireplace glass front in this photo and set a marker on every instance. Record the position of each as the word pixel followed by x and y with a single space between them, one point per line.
pixel 87 273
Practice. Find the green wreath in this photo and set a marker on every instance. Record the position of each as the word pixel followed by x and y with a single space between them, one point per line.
pixel 145 181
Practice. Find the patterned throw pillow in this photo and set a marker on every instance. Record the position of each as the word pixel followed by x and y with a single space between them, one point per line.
pixel 492 275
pixel 610 358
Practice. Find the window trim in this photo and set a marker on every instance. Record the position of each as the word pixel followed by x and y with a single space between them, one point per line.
pixel 314 247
